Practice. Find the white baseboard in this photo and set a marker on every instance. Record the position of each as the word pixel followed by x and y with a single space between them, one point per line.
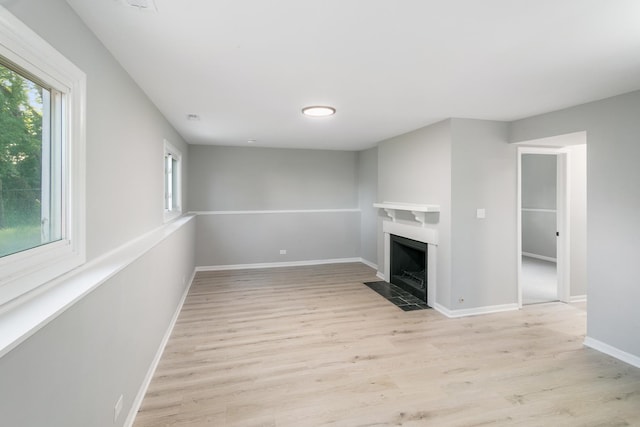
pixel 380 275
pixel 369 263
pixel 474 311
pixel 578 298
pixel 612 351
pixel 278 264
pixel 266 212
pixel 135 407
pixel 542 257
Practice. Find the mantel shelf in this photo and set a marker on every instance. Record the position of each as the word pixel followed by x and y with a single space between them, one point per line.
pixel 419 211
pixel 407 207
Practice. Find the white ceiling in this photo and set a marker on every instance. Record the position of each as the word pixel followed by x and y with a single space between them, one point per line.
pixel 247 67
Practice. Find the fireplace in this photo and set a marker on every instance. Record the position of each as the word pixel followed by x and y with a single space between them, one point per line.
pixel 421 235
pixel 408 265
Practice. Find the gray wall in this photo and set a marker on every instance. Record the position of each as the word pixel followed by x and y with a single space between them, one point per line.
pixel 483 251
pixel 462 165
pixel 368 195
pixel 539 172
pixel 416 168
pixel 613 200
pixel 253 178
pixel 539 175
pixel 258 238
pixel 71 372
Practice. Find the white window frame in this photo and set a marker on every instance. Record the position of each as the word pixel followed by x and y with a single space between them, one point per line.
pixel 174 209
pixel 24 273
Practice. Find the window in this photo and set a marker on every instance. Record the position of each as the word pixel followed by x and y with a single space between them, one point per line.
pixel 41 161
pixel 172 181
pixel 30 161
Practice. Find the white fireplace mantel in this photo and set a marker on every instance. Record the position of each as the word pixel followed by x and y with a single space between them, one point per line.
pixel 418 211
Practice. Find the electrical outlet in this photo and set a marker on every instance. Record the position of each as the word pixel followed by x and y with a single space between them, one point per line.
pixel 283 251
pixel 117 409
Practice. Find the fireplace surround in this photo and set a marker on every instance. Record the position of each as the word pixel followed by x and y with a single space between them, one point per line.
pixel 418 233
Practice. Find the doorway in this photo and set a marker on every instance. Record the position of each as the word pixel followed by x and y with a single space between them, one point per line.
pixel 570 154
pixel 540 174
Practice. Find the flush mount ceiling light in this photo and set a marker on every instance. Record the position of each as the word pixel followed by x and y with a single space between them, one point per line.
pixel 148 5
pixel 318 111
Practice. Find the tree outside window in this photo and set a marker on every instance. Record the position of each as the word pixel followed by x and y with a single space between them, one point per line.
pixel 25 164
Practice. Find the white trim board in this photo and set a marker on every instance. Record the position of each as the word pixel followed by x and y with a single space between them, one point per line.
pixel 578 298
pixel 612 351
pixel 541 257
pixel 278 264
pixel 20 322
pixel 475 311
pixel 263 212
pixel 539 210
pixel 369 263
pixel 137 402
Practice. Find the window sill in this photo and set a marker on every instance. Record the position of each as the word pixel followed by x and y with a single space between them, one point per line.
pixel 171 215
pixel 21 320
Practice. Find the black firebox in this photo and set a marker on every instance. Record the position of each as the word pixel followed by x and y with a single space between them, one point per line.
pixel 409 265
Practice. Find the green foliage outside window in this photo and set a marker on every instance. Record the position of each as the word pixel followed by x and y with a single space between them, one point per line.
pixel 21 110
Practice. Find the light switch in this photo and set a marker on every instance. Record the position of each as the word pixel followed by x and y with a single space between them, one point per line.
pixel 480 213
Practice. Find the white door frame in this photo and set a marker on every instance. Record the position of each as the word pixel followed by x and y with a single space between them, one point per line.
pixel 563 256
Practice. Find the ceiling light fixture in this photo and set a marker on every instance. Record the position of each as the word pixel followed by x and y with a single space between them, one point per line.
pixel 148 5
pixel 318 111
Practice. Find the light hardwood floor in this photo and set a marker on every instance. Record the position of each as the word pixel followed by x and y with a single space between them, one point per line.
pixel 313 346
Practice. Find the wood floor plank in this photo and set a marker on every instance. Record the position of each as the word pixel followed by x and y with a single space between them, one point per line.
pixel 313 346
